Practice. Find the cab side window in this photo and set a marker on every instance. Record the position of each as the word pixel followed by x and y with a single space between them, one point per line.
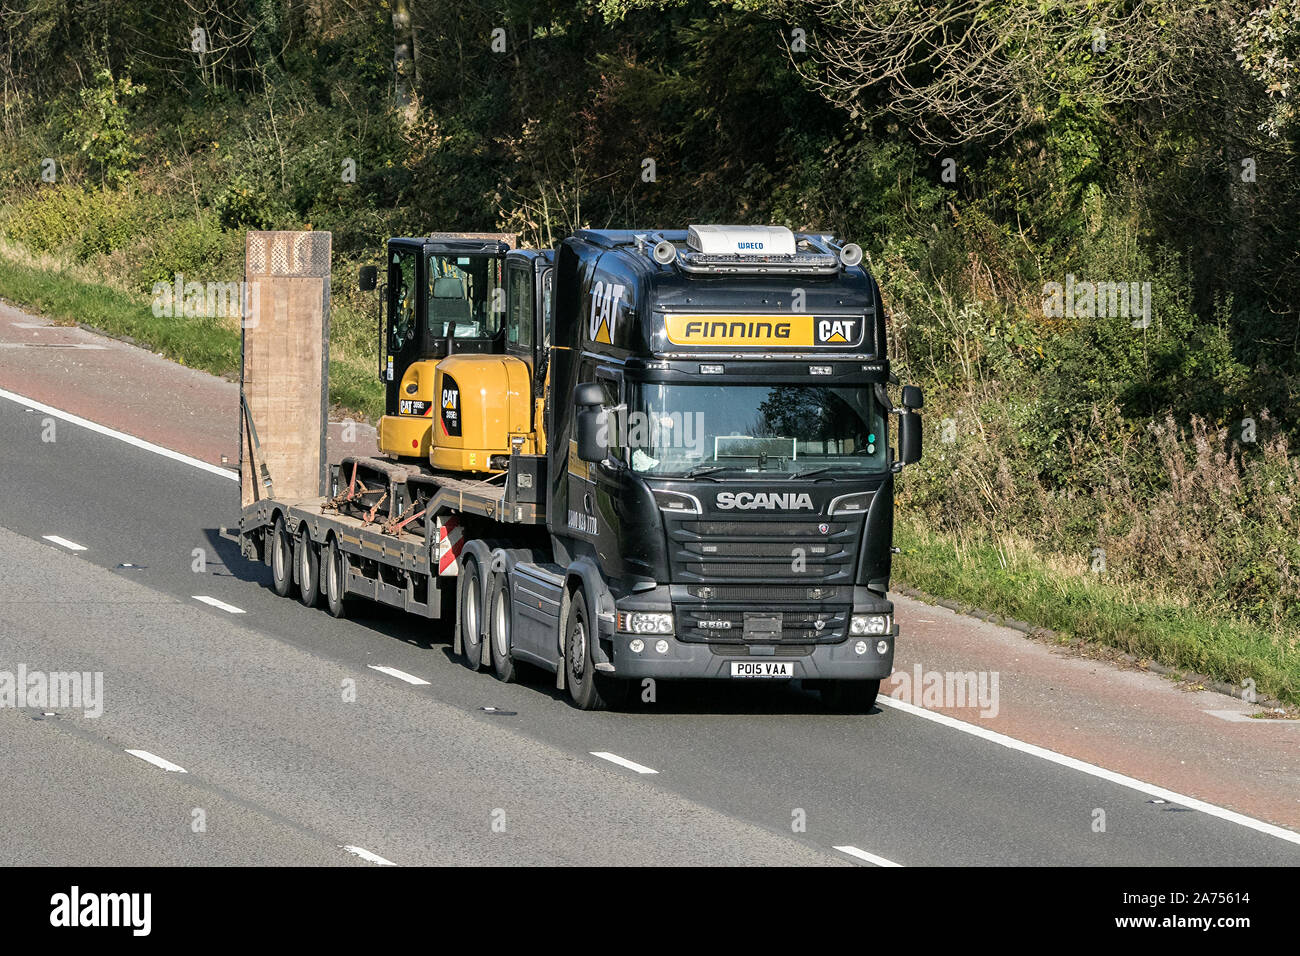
pixel 402 281
pixel 616 423
pixel 519 309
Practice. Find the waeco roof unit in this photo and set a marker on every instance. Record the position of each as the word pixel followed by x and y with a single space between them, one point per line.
pixel 741 240
pixel 754 250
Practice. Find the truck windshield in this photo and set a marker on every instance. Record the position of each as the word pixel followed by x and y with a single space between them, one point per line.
pixel 681 430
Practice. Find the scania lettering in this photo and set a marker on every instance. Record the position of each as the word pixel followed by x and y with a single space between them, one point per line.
pixel 747 501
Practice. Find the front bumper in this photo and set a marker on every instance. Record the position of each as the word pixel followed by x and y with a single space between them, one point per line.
pixel 705 661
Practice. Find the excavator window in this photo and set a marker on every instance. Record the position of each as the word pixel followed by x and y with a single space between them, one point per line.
pixel 466 298
pixel 402 326
pixel 519 302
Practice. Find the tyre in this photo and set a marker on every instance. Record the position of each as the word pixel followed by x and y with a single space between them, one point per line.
pixel 588 689
pixel 308 556
pixel 281 559
pixel 469 608
pixel 499 630
pixel 334 573
pixel 850 696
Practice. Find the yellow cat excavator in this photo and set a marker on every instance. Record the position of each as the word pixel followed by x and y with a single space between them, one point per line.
pixel 461 340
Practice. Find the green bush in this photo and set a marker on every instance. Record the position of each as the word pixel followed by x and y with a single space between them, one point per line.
pixel 199 249
pixel 83 221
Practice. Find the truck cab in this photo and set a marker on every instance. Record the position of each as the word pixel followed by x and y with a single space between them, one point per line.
pixel 725 460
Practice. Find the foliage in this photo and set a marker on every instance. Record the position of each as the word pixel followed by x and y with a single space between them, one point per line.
pixel 979 151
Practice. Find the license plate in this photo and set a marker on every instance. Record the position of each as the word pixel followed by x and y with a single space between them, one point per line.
pixel 762 668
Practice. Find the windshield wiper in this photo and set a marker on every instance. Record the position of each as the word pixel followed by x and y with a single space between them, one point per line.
pixel 811 471
pixel 699 471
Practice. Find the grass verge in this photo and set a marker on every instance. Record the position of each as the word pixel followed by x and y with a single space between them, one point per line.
pixel 1010 579
pixel 209 344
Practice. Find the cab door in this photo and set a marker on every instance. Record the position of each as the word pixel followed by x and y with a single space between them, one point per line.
pixel 404 336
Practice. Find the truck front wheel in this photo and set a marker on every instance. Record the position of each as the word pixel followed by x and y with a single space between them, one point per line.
pixel 588 689
pixel 850 696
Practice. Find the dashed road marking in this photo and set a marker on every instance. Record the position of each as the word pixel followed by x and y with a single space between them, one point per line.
pixel 157 761
pixel 64 542
pixel 622 761
pixel 229 608
pixel 864 855
pixel 369 857
pixel 400 675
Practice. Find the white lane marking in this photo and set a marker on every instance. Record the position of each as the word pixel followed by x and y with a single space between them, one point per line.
pixel 1240 717
pixel 621 761
pixel 52 345
pixel 31 325
pixel 120 436
pixel 157 761
pixel 368 856
pixel 400 675
pixel 64 542
pixel 1290 836
pixel 230 608
pixel 864 855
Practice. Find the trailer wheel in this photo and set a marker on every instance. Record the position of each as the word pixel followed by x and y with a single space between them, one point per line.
pixel 588 689
pixel 281 559
pixel 469 608
pixel 308 556
pixel 499 631
pixel 850 696
pixel 334 572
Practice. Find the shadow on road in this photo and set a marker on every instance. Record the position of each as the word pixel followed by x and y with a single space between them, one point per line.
pixel 671 698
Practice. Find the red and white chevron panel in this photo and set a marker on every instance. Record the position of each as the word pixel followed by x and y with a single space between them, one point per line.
pixel 450 540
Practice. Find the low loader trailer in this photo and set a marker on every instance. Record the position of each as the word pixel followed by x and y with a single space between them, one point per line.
pixel 642 455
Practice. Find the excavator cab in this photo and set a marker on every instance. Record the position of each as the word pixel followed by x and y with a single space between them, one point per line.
pixel 461 325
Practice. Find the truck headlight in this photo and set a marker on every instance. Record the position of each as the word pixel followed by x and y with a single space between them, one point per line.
pixel 645 622
pixel 868 624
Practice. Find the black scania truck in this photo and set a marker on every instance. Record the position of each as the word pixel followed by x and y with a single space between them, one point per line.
pixel 703 487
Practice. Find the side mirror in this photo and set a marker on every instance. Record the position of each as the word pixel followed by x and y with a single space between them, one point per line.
pixel 367 278
pixel 590 434
pixel 588 394
pixel 909 436
pixel 912 399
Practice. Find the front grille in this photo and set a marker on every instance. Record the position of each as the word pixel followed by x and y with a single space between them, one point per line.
pixel 759 528
pixel 766 592
pixel 819 625
pixel 791 553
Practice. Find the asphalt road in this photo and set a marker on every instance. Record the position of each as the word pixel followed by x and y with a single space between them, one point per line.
pixel 283 768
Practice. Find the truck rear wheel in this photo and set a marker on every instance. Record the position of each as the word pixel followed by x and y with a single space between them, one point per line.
pixel 850 696
pixel 469 607
pixel 335 581
pixel 308 556
pixel 281 559
pixel 499 630
pixel 589 689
